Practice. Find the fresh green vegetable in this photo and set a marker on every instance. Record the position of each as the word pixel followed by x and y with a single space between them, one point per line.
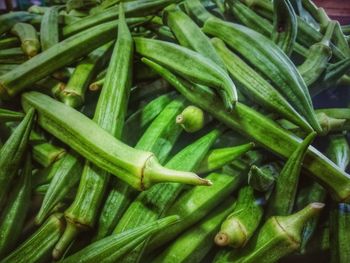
pixel 29 38
pixel 7 21
pixel 191 119
pixel 9 42
pixel 263 178
pixel 49 28
pixel 9 115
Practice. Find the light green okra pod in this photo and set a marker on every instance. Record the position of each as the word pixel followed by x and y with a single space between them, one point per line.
pixel 49 31
pixel 29 38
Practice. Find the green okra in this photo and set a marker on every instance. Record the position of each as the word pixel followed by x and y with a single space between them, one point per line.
pixel 9 115
pixel 219 157
pixel 81 5
pixel 7 21
pixel 115 246
pixel 49 31
pixel 159 138
pixel 53 59
pixel 189 35
pixel 284 25
pixel 137 123
pixel 191 119
pixel 37 9
pixel 4 68
pixel 278 237
pixel 9 42
pixel 29 38
pixel 12 53
pixel 339 151
pixel 193 245
pixel 337 114
pixel 197 11
pixel 134 8
pixel 113 156
pixel 318 57
pixel 237 229
pixel 191 65
pixel 254 85
pixel 284 193
pixel 270 60
pixel 12 152
pixel 256 126
pixel 37 248
pixel 65 174
pixel 13 216
pixel 50 86
pixel 73 93
pixel 263 178
pixel 330 124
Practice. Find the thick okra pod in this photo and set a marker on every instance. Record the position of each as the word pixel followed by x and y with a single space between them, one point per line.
pixel 38 247
pixel 138 168
pixel 217 158
pixel 255 86
pixel 283 196
pixel 240 226
pixel 191 65
pixel 12 152
pixel 278 237
pixel 193 245
pixel 29 38
pixel 9 115
pixel 250 123
pixel 13 216
pixel 284 25
pixel 49 32
pixel 113 247
pixel 270 60
pixel 7 21
pixel 191 119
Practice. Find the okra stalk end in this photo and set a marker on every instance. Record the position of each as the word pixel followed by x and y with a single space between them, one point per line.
pixel 232 234
pixel 192 119
pixel 155 173
pixel 66 239
pixel 31 47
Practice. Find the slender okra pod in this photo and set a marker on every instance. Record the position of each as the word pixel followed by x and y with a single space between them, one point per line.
pixel 9 115
pixel 284 25
pixel 7 21
pixel 197 11
pixel 240 225
pixel 9 42
pixel 113 247
pixel 255 86
pixel 191 119
pixel 217 158
pixel 38 246
pixel 73 94
pixel 12 152
pixel 55 58
pixel 263 178
pixel 255 125
pixel 270 60
pixel 339 151
pixel 193 245
pixel 29 38
pixel 49 31
pixel 283 196
pixel 278 237
pixel 13 216
pixel 12 53
pixel 189 64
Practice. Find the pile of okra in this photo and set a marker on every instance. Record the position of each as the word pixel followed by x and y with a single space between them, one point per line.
pixel 174 131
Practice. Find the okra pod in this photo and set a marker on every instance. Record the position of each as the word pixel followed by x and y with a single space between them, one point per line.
pixel 217 158
pixel 12 152
pixel 189 64
pixel 278 237
pixel 12 53
pixel 191 119
pixel 330 124
pixel 193 245
pixel 249 122
pixel 284 25
pixel 15 211
pixel 339 151
pixel 9 42
pixel 197 11
pixel 283 196
pixel 49 31
pixel 337 113
pixel 9 115
pixel 7 21
pixel 263 178
pixel 29 38
pixel 270 60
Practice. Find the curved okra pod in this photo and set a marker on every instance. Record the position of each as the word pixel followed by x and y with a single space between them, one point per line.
pixel 257 87
pixel 264 177
pixel 193 245
pixel 283 196
pixel 49 31
pixel 253 124
pixel 284 25
pixel 278 237
pixel 240 225
pixel 9 115
pixel 15 211
pixel 217 158
pixel 38 246
pixel 270 60
pixel 12 153
pixel 29 38
pixel 189 64
pixel 113 247
pixel 7 21
pixel 191 119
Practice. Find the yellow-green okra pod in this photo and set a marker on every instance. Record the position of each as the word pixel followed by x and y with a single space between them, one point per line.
pixel 29 38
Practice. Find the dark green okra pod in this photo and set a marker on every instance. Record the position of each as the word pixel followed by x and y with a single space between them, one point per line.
pixel 29 38
pixel 240 225
pixel 191 119
pixel 283 196
pixel 49 31
pixel 12 152
pixel 13 215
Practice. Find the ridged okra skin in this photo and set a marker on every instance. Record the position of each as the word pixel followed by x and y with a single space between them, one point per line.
pixel 29 38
